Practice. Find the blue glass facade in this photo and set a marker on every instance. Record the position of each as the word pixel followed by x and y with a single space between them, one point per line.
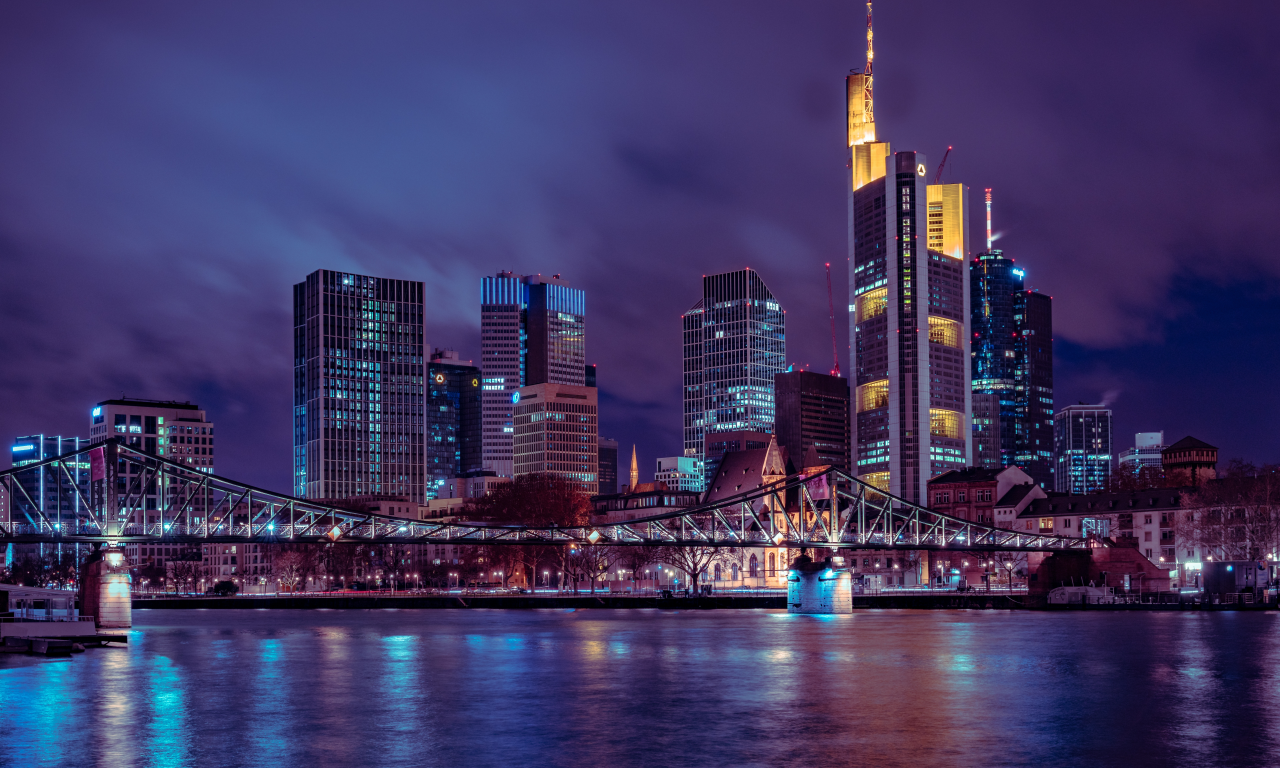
pixel 358 405
pixel 993 283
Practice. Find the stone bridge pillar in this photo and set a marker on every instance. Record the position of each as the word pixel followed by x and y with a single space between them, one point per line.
pixel 105 586
pixel 818 588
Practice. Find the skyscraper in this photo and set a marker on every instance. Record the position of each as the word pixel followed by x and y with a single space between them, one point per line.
pixel 909 315
pixel 532 331
pixel 359 401
pixel 734 345
pixel 556 433
pixel 1082 448
pixel 453 447
pixel 813 413
pixel 910 331
pixel 1012 366
pixel 1033 441
pixel 994 282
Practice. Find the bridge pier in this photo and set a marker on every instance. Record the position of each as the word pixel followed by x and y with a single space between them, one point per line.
pixel 818 588
pixel 105 589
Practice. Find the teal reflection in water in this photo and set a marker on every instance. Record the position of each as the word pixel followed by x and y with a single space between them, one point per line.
pixel 305 689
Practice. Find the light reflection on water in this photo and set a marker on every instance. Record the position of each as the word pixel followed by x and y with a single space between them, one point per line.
pixel 650 688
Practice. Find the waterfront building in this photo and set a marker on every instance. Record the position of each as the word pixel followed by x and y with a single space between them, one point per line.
pixel 453 438
pixel 642 500
pixel 1193 461
pixel 734 340
pixel 178 431
pixel 359 399
pixel 986 495
pixel 532 331
pixel 608 461
pixel 739 472
pixel 812 411
pixel 1145 453
pixel 1082 448
pixel 556 433
pixel 680 473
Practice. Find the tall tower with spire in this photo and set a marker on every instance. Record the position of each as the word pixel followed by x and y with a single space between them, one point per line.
pixel 866 155
pixel 635 469
pixel 908 308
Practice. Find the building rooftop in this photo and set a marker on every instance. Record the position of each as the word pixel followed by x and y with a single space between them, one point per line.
pixel 1191 444
pixel 1015 495
pixel 968 475
pixel 139 402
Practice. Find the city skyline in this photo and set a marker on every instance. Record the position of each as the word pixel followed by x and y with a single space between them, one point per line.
pixel 213 332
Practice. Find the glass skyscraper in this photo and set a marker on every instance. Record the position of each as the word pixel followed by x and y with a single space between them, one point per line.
pixel 734 346
pixel 993 283
pixel 1012 368
pixel 453 447
pixel 1082 448
pixel 359 400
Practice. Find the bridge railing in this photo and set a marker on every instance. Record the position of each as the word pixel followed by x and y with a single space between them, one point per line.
pixel 142 497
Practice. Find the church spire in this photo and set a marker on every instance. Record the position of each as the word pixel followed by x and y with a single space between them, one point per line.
pixel 635 469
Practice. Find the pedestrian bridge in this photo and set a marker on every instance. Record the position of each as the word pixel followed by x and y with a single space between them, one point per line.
pixel 135 497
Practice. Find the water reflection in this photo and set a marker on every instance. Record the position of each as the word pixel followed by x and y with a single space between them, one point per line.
pixel 647 688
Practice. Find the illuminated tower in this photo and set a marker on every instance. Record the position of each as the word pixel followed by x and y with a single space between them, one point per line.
pixel 908 309
pixel 532 331
pixel 734 345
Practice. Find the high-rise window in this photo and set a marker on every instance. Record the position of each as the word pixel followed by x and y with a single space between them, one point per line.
pixel 734 345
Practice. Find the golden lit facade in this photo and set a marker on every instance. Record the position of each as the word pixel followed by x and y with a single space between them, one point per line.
pixel 909 327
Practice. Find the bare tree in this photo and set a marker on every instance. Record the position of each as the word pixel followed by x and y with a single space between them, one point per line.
pixel 288 569
pixel 596 560
pixel 1236 517
pixel 636 559
pixel 693 560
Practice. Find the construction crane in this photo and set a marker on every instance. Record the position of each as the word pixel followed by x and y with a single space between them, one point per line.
pixel 937 177
pixel 835 355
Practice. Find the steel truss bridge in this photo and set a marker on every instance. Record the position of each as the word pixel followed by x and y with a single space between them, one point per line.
pixel 135 497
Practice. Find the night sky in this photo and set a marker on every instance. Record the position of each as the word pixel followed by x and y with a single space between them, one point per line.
pixel 169 170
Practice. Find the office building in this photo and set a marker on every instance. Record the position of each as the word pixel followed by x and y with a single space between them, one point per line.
pixel 1145 453
pixel 1012 366
pixel 986 430
pixel 178 431
pixel 909 331
pixel 608 461
pixel 48 491
pixel 993 283
pixel 909 308
pixel 556 433
pixel 1082 448
pixel 452 441
pixel 680 473
pixel 532 331
pixel 359 395
pixel 813 413
pixel 734 341
pixel 1033 439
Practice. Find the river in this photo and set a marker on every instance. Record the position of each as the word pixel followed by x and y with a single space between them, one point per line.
pixel 654 688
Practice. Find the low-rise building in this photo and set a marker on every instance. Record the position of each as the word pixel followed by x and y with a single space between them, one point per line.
pixel 1191 461
pixel 680 473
